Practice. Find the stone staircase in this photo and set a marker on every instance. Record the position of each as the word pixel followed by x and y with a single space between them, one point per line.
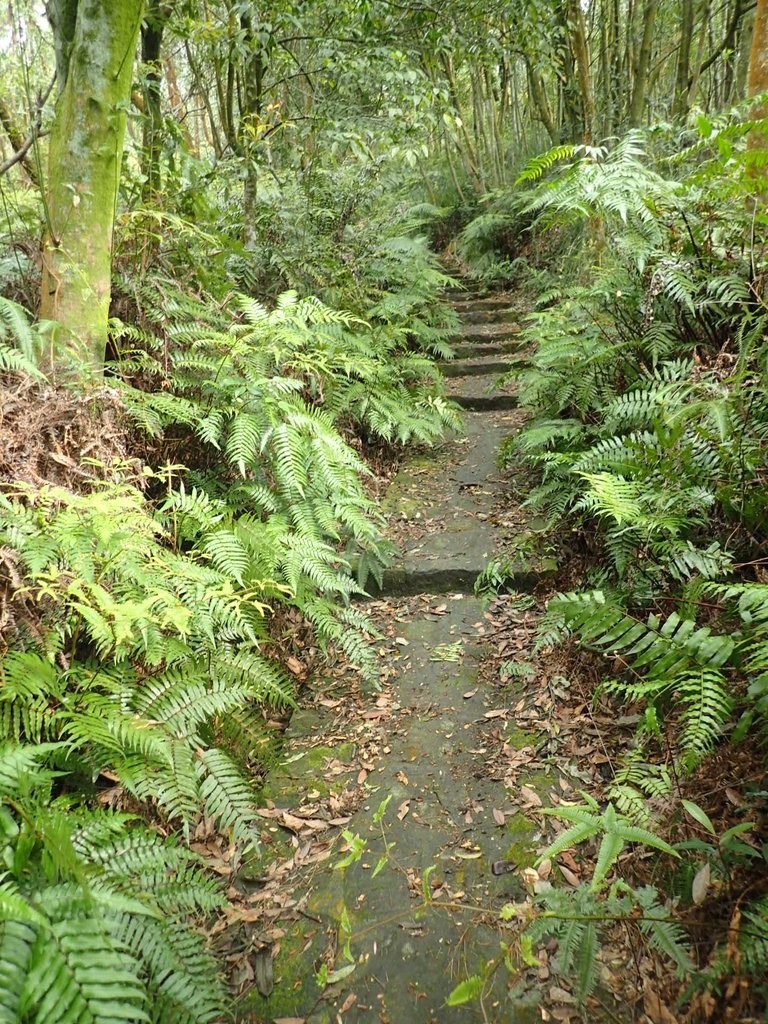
pixel 443 823
pixel 439 503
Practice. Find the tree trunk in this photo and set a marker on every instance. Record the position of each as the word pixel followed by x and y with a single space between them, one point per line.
pixel 693 81
pixel 742 63
pixel 18 142
pixel 539 96
pixel 581 59
pixel 571 113
pixel 637 103
pixel 680 101
pixel 152 135
pixel 250 118
pixel 758 65
pixel 85 154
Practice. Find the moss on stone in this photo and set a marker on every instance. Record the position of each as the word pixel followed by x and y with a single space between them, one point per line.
pixel 518 739
pixel 522 848
pixel 289 781
pixel 295 986
pixel 405 494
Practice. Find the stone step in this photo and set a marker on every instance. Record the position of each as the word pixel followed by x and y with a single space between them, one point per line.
pixel 427 579
pixel 499 348
pixel 488 332
pixel 480 303
pixel 477 393
pixel 482 403
pixel 488 316
pixel 482 367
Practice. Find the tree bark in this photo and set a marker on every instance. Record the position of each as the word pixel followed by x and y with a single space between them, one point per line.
pixel 758 61
pixel 85 155
pixel 680 101
pixel 19 143
pixel 637 103
pixel 581 59
pixel 250 118
pixel 539 96
pixel 152 30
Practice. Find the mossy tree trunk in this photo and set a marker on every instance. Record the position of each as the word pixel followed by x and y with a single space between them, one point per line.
pixel 152 31
pixel 637 103
pixel 95 50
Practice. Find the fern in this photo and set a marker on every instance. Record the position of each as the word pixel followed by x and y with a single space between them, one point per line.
pixel 539 164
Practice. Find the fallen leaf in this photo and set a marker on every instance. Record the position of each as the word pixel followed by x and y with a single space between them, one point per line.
pixel 403 809
pixel 362 775
pixel 658 1011
pixel 469 693
pixel 736 798
pixel 530 876
pixel 348 1003
pixel 569 861
pixel 498 713
pixel 545 868
pixel 402 641
pixel 402 777
pixel 570 876
pixel 559 995
pixel 499 817
pixel 530 796
pixel 700 885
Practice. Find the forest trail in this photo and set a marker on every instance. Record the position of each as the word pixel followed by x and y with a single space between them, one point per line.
pixel 407 770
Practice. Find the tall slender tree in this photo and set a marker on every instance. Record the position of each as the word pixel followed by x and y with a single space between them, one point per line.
pixel 95 43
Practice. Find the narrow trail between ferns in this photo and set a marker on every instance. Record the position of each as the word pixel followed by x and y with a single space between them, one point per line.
pixel 393 943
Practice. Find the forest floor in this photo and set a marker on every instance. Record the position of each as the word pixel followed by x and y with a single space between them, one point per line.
pixel 400 821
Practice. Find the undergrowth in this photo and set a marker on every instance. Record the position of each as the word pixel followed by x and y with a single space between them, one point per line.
pixel 139 597
pixel 646 438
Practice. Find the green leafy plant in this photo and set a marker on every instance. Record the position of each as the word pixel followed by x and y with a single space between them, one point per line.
pixel 588 822
pixel 95 908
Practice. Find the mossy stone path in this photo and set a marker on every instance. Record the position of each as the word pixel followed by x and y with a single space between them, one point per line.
pixel 446 821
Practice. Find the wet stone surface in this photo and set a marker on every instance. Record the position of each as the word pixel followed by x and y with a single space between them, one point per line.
pixel 416 908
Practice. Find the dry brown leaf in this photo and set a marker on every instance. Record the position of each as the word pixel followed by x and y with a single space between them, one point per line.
pixel 497 713
pixel 569 861
pixel 658 1011
pixel 499 816
pixel 560 995
pixel 530 876
pixel 348 1003
pixel 570 876
pixel 469 693
pixel 403 809
pixel 530 796
pixel 700 885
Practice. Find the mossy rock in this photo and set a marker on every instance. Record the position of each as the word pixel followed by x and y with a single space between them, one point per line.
pixel 303 772
pixel 295 985
pixel 523 836
pixel 519 738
